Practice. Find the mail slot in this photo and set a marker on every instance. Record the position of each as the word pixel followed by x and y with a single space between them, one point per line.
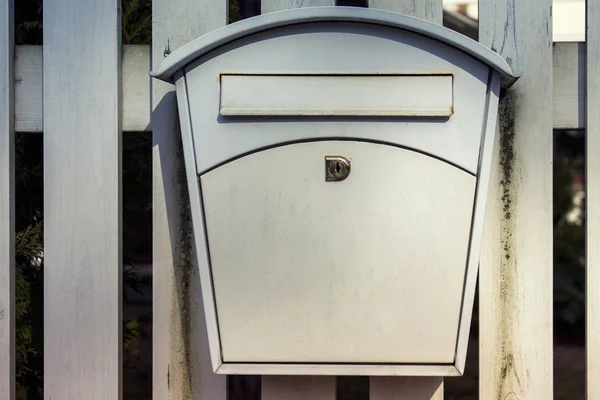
pixel 336 95
pixel 337 162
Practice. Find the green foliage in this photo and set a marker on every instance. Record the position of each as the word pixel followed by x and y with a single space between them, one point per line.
pixel 137 21
pixel 131 337
pixel 29 266
pixel 28 22
pixel 234 11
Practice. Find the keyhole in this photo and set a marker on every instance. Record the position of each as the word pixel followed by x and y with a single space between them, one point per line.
pixel 337 168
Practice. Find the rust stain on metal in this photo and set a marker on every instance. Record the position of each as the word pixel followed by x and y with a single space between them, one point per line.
pixel 509 384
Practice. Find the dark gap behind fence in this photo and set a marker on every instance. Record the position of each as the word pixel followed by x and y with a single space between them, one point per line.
pixel 569 264
pixel 137 266
pixel 29 268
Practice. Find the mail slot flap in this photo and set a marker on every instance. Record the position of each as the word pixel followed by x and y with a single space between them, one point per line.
pixel 337 95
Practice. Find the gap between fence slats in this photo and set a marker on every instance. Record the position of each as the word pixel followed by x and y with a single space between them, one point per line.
pixel 515 292
pixel 7 203
pixel 181 362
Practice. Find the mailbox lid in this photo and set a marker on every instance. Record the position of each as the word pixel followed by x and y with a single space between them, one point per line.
pixel 330 52
pixel 367 270
pixel 219 37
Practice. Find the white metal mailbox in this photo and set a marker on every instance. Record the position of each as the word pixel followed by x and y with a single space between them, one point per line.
pixel 338 162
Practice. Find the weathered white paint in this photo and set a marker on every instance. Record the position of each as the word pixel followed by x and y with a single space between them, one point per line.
pixel 568 94
pixel 29 116
pixel 430 10
pixel 416 388
pixel 593 201
pixel 337 95
pixel 268 6
pixel 297 387
pixel 181 363
pixel 135 88
pixel 135 111
pixel 82 200
pixel 7 203
pixel 569 85
pixel 516 263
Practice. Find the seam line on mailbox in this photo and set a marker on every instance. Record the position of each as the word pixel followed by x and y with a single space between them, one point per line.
pixel 334 139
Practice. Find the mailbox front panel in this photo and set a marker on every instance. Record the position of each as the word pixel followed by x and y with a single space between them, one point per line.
pixel 369 269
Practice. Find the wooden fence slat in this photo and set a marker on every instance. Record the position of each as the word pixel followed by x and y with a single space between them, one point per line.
pixel 515 289
pixel 569 85
pixel 29 116
pixel 298 387
pixel 7 203
pixel 135 111
pixel 568 94
pixel 593 200
pixel 430 10
pixel 181 361
pixel 82 200
pixel 409 387
pixel 294 387
pixel 415 388
pixel 268 6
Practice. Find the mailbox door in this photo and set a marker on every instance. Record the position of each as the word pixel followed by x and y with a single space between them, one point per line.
pixel 369 269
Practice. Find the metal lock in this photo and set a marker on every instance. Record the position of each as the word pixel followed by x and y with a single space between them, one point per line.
pixel 337 168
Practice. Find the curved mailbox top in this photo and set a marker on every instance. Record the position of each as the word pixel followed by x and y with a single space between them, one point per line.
pixel 204 44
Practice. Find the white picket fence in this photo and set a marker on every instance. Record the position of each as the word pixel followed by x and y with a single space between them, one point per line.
pixel 90 90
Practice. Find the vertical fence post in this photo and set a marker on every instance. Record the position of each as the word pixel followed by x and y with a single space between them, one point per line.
pixel 296 387
pixel 268 6
pixel 7 203
pixel 384 388
pixel 181 361
pixel 515 289
pixel 82 200
pixel 593 199
pixel 431 10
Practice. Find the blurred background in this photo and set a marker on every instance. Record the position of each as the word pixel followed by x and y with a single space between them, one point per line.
pixel 460 15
